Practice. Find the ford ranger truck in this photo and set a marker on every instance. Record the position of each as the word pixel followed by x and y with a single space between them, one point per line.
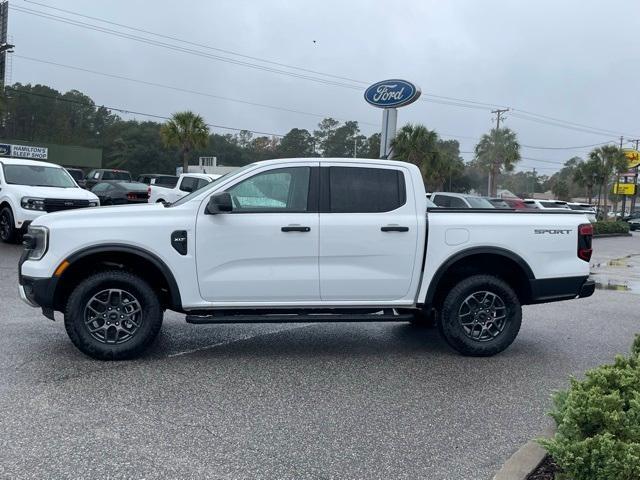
pixel 302 240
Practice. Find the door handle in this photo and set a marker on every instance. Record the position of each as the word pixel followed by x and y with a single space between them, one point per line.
pixel 295 228
pixel 394 228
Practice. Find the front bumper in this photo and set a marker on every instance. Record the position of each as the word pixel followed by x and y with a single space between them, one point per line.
pixel 557 289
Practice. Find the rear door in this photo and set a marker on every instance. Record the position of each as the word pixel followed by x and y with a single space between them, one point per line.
pixel 368 232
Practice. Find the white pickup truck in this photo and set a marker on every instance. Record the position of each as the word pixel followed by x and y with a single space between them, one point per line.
pixel 187 183
pixel 30 188
pixel 302 240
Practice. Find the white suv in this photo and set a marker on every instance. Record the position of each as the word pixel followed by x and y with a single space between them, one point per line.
pixel 30 188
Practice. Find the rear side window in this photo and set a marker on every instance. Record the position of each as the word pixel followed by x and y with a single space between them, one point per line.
pixel 365 190
pixel 113 175
pixel 446 201
pixel 202 182
pixel 189 184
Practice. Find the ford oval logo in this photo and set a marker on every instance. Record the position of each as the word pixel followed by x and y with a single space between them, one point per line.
pixel 392 93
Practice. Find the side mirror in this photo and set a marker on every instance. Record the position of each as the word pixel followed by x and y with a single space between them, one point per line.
pixel 219 203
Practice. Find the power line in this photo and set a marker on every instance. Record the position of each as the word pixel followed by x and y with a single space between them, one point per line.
pixel 132 112
pixel 438 99
pixel 179 89
pixel 195 44
pixel 179 48
pixel 567 148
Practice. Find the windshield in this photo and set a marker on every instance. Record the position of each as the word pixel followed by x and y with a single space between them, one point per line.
pixel 477 202
pixel 209 186
pixel 38 176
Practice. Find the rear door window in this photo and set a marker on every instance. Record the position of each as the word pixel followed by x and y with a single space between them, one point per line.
pixel 364 190
pixel 189 184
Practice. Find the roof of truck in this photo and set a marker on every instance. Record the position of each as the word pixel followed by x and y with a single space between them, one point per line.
pixel 331 160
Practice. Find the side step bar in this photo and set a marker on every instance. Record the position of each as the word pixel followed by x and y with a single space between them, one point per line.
pixel 385 316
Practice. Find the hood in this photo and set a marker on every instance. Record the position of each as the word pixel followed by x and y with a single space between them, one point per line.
pixel 100 216
pixel 72 193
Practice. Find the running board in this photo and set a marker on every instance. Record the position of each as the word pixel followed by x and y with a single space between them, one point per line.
pixel 299 318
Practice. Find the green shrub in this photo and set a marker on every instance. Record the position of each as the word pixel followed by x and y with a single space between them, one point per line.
pixel 610 227
pixel 598 419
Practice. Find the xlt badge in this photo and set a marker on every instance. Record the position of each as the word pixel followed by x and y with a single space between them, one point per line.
pixel 179 241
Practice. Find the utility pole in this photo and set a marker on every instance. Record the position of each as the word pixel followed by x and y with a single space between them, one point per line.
pixel 632 207
pixel 492 177
pixel 624 197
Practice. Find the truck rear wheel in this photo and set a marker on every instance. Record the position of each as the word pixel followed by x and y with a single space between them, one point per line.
pixel 480 316
pixel 113 315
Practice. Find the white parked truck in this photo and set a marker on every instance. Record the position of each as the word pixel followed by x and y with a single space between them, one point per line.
pixel 187 183
pixel 30 188
pixel 302 240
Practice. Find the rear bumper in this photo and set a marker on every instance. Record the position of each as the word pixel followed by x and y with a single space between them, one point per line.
pixel 558 289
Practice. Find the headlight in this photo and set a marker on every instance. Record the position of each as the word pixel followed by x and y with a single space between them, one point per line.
pixel 36 242
pixel 94 203
pixel 31 203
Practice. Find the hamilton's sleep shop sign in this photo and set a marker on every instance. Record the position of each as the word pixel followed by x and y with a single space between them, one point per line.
pixel 24 151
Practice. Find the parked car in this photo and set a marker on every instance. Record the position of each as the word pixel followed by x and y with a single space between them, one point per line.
pixel 546 204
pixel 633 215
pixel 497 202
pixel 515 203
pixel 30 188
pixel 158 179
pixel 78 176
pixel 589 210
pixel 302 240
pixel 459 200
pixel 121 193
pixel 106 174
pixel 634 223
pixel 187 183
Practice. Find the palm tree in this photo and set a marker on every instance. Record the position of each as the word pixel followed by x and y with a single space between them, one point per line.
pixel 586 176
pixel 185 131
pixel 610 160
pixel 418 145
pixel 497 151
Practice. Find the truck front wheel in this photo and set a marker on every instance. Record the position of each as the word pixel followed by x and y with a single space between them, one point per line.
pixel 8 232
pixel 480 316
pixel 113 315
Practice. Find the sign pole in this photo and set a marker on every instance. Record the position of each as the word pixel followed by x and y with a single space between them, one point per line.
pixel 389 124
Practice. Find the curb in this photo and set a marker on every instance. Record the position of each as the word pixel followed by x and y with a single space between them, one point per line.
pixel 605 235
pixel 520 465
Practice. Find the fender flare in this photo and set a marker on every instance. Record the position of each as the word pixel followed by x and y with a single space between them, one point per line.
pixel 174 291
pixel 437 277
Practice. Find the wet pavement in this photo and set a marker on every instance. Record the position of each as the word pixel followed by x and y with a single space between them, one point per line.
pixel 616 263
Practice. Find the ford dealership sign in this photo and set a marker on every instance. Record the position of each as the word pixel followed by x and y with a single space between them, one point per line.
pixel 391 93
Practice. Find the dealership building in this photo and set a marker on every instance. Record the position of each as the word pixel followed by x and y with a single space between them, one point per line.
pixel 65 155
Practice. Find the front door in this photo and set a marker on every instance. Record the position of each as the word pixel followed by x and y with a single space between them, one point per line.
pixel 266 249
pixel 368 233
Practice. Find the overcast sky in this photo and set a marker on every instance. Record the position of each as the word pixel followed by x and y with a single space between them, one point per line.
pixel 578 61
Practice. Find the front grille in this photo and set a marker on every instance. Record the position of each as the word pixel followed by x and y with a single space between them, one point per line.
pixel 58 204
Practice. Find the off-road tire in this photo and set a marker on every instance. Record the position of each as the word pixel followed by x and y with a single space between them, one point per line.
pixel 8 232
pixel 450 325
pixel 149 325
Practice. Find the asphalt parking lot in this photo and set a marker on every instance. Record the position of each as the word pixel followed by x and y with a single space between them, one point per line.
pixel 325 401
